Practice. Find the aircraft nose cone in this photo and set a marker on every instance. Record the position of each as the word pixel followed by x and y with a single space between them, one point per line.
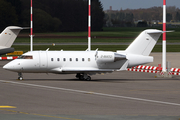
pixel 7 67
pixel 12 66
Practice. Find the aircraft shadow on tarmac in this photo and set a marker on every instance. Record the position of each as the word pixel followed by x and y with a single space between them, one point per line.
pixel 113 77
pixel 106 80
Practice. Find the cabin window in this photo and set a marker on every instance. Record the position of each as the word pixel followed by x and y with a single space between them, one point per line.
pixel 25 57
pixel 89 59
pixel 76 59
pixel 52 59
pixel 82 59
pixel 64 59
pixel 70 59
pixel 58 59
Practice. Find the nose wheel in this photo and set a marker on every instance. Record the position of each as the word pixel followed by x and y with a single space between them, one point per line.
pixel 20 77
pixel 83 77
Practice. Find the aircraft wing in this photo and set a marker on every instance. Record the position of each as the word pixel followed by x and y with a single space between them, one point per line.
pixel 88 70
pixel 81 70
pixel 6 50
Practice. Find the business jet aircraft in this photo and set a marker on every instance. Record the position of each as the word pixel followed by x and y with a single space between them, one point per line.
pixel 85 63
pixel 7 38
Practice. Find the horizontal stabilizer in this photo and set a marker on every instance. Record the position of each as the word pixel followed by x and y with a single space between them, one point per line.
pixel 158 31
pixel 14 28
pixel 154 31
pixel 169 31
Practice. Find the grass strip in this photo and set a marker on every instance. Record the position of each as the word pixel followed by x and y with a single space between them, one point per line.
pixel 25 48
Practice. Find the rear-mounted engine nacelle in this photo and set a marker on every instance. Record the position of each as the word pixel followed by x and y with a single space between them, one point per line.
pixel 106 57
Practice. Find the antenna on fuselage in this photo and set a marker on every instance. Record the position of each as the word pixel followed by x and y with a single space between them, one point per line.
pixel 89 26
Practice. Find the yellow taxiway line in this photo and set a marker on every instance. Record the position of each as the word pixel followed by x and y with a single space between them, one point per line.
pixel 7 107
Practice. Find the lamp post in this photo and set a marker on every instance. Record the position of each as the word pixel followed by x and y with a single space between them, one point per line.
pixel 89 26
pixel 164 38
pixel 31 34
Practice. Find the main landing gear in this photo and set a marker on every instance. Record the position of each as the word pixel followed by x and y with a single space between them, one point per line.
pixel 20 77
pixel 83 76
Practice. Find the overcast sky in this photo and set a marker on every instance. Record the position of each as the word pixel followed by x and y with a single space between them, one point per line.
pixel 135 4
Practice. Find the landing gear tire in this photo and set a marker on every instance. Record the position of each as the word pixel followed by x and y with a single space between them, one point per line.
pixel 79 76
pixel 20 78
pixel 88 78
pixel 83 77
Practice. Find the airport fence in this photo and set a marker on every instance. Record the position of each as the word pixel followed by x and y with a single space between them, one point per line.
pixel 153 69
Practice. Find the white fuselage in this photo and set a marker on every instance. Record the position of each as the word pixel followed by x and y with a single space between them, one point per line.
pixel 74 62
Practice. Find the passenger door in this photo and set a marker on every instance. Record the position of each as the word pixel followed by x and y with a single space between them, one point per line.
pixel 43 59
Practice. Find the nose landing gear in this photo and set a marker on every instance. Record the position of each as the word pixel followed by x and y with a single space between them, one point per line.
pixel 20 77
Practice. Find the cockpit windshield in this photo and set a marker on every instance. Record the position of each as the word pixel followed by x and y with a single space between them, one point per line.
pixel 25 57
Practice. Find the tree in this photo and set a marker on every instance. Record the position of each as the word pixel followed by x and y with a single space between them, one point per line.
pixel 97 15
pixel 129 17
pixel 67 15
pixel 142 24
pixel 72 13
pixel 17 4
pixel 177 17
pixel 8 15
pixel 43 22
pixel 168 17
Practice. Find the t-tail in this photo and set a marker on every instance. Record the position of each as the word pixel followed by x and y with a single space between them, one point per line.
pixel 139 50
pixel 145 42
pixel 7 38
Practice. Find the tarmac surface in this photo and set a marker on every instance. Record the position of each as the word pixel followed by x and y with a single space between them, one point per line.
pixel 116 96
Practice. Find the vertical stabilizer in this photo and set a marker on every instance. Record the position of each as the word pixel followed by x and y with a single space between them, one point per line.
pixel 145 42
pixel 8 36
